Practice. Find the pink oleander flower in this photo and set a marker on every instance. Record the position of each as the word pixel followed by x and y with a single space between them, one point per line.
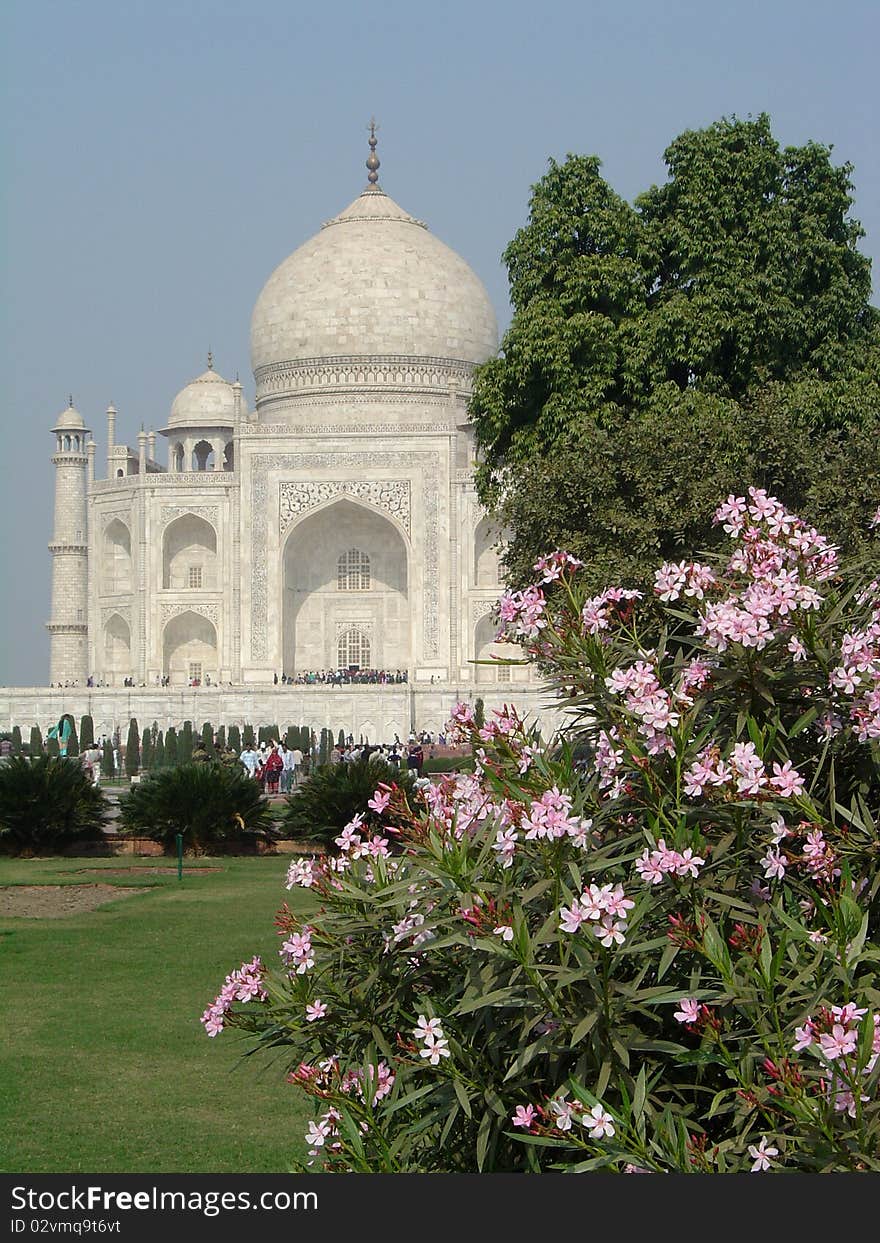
pixel 316 1010
pixel 804 1036
pixel 610 932
pixel 598 1122
pixel 762 1154
pixel 380 800
pixel 774 864
pixel 524 1116
pixel 554 564
pixel 838 1042
pixel 689 1012
pixel 786 781
pixel 427 1027
pixel 562 1111
pixel 435 1048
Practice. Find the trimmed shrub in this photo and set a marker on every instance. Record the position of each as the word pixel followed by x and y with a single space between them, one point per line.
pixel 221 738
pixel 320 808
pixel 159 751
pixel 185 743
pixel 172 747
pixel 86 733
pixel 132 749
pixel 48 802
pixel 36 742
pixel 207 803
pixel 108 768
pixel 248 738
pixel 16 740
pixel 208 738
pixel 235 743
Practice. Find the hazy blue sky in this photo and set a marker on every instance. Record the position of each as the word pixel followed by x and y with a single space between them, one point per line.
pixel 162 158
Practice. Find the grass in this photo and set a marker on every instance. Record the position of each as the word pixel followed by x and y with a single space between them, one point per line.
pixel 105 1066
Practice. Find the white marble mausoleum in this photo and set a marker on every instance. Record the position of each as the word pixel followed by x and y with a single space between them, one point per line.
pixel 334 525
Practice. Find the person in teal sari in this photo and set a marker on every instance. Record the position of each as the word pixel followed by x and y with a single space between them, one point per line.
pixel 62 732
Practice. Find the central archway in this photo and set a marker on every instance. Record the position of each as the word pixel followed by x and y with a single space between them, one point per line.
pixel 345 584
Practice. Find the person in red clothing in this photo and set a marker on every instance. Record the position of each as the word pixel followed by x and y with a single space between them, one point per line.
pixel 274 765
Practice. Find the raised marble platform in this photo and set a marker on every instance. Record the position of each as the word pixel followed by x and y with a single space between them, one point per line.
pixel 375 712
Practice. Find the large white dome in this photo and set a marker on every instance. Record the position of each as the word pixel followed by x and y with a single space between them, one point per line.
pixel 373 284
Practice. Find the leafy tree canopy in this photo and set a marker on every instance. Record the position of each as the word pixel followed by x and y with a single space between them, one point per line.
pixel 714 334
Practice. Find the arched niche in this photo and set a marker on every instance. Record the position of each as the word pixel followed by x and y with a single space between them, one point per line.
pixel 189 555
pixel 116 558
pixel 117 649
pixel 486 568
pixel 189 649
pixel 203 455
pixel 315 611
pixel 178 460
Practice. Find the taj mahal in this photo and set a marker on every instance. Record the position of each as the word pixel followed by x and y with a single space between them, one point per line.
pixel 210 569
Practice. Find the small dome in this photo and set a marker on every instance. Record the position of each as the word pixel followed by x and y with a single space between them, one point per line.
pixel 373 283
pixel 69 419
pixel 207 401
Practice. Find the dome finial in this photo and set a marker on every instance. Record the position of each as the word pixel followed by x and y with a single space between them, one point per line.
pixel 372 158
pixel 210 359
pixel 70 402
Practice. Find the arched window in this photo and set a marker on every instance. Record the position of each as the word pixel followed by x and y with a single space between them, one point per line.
pixel 177 457
pixel 353 648
pixel 353 571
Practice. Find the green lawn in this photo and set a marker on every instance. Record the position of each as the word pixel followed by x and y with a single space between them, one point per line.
pixel 104 1066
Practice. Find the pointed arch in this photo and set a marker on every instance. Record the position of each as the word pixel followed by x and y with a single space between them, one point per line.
pixel 189 544
pixel 189 649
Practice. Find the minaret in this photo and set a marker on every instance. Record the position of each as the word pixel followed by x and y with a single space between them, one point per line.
pixel 68 629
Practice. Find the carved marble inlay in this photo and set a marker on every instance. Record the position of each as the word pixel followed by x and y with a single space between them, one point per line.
pixel 358 464
pixel 208 512
pixel 204 609
pixel 392 495
pixel 114 515
pixel 480 609
pixel 124 611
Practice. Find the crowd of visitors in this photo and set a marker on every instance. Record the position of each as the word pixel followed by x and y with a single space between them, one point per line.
pixel 345 677
pixel 277 767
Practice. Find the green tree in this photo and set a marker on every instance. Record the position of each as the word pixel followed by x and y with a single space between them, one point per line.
pixel 235 743
pixel 221 738
pixel 208 738
pixel 159 751
pixel 248 738
pixel 714 335
pixel 36 742
pixel 132 749
pixel 86 732
pixel 16 740
pixel 108 767
pixel 479 714
pixel 185 743
pixel 172 747
pixel 340 739
pixel 147 760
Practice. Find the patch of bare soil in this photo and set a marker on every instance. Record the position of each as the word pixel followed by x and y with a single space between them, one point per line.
pixel 152 871
pixel 57 901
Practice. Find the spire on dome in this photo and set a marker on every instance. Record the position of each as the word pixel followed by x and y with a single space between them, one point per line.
pixel 210 359
pixel 372 158
pixel 70 402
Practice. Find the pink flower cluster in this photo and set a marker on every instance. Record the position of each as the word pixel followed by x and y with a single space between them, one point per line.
pixel 523 612
pixel 649 703
pixel 354 845
pixel 858 674
pixel 744 774
pixel 550 817
pixel 596 614
pixel 304 872
pixel 461 724
pixel 605 908
pixel 609 762
pixel 834 1036
pixel 597 1121
pixel 555 564
pixel 653 866
pixel 686 577
pixel 244 984
pixel 297 952
pixel 434 1044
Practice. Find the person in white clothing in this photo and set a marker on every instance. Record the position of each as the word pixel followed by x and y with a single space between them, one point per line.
pixel 250 759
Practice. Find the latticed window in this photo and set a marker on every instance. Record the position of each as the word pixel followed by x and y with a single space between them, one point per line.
pixel 504 673
pixel 353 648
pixel 195 576
pixel 353 571
pixel 195 671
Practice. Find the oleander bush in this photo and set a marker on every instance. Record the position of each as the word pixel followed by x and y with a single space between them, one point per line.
pixel 663 958
pixel 208 803
pixel 48 802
